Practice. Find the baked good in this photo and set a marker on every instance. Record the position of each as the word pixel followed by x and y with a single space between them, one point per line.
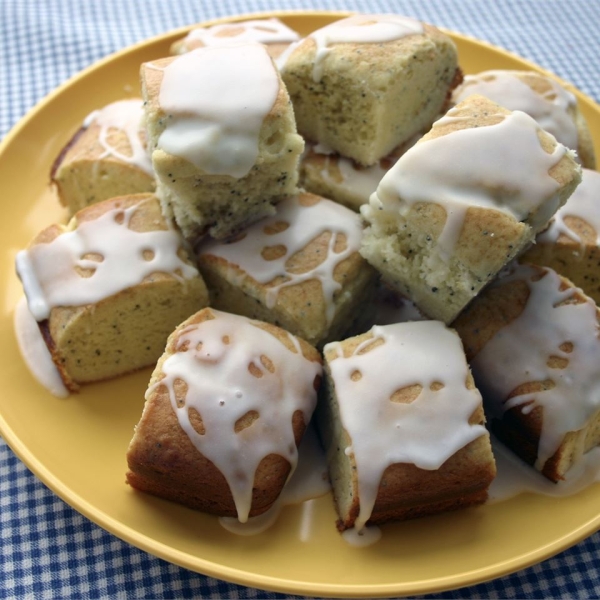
pixel 299 269
pixel 340 179
pixel 571 244
pixel 225 410
pixel 108 288
pixel 532 340
pixel 105 158
pixel 222 137
pixel 366 84
pixel 403 425
pixel 462 202
pixel 274 34
pixel 542 98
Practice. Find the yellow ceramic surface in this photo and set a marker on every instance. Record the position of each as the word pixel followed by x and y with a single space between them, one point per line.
pixel 77 445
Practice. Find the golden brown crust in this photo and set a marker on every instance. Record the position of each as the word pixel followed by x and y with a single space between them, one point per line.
pixel 163 461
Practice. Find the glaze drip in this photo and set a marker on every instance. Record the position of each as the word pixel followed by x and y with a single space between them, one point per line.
pixel 216 99
pixel 264 31
pixel 125 116
pixel 304 224
pixel 583 204
pixel 502 167
pixel 425 431
pixel 550 108
pixel 551 325
pixel 231 367
pixel 96 260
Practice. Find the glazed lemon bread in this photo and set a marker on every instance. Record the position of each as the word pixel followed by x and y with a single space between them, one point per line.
pixel 299 269
pixel 274 34
pixel 541 97
pixel 366 84
pixel 532 340
pixel 225 410
pixel 105 158
pixel 403 425
pixel 108 288
pixel 571 244
pixel 222 137
pixel 464 201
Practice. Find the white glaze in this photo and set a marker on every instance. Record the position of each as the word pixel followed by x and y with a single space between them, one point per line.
pixel 506 88
pixel 425 432
pixel 49 271
pixel 34 351
pixel 125 116
pixel 216 99
pixel 584 204
pixel 516 477
pixel 361 29
pixel 518 354
pixel 501 167
pixel 222 390
pixel 305 224
pixel 263 31
pixel 309 481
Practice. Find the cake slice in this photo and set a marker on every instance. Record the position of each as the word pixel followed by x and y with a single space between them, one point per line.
pixel 222 137
pixel 225 411
pixel 541 97
pixel 461 203
pixel 106 158
pixel 340 179
pixel 299 269
pixel 108 288
pixel 366 84
pixel 403 425
pixel 532 340
pixel 274 34
pixel 571 244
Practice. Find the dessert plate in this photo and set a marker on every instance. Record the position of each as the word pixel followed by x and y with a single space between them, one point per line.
pixel 77 445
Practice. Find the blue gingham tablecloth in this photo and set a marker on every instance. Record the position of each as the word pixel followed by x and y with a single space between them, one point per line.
pixel 47 550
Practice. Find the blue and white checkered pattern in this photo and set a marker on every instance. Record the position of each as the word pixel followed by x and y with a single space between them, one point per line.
pixel 47 550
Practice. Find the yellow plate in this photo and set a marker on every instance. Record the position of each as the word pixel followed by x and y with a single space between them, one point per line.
pixel 77 446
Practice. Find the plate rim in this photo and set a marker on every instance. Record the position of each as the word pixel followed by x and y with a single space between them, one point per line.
pixel 211 568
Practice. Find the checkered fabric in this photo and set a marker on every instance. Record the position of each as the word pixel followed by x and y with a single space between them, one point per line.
pixel 47 550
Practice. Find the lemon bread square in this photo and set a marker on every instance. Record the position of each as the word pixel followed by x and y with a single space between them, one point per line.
pixel 105 158
pixel 365 84
pixel 222 137
pixel 274 34
pixel 464 201
pixel 403 425
pixel 225 411
pixel 299 269
pixel 108 288
pixel 341 179
pixel 541 97
pixel 532 340
pixel 571 244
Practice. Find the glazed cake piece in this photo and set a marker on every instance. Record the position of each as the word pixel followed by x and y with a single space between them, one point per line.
pixel 549 103
pixel 366 84
pixel 274 34
pixel 341 179
pixel 225 411
pixel 299 269
pixel 403 425
pixel 571 244
pixel 532 340
pixel 105 158
pixel 222 137
pixel 464 201
pixel 108 288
